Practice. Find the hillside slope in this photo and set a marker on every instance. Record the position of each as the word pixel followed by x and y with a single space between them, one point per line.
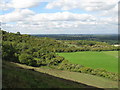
pixel 17 71
pixel 16 77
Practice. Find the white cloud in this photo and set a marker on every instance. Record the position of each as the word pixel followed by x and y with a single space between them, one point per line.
pixel 28 21
pixel 58 22
pixel 65 27
pixel 18 4
pixel 112 12
pixel 62 16
pixel 23 3
pixel 17 15
pixel 88 5
pixel 4 5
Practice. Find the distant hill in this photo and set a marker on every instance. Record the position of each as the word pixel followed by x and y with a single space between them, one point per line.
pixel 109 38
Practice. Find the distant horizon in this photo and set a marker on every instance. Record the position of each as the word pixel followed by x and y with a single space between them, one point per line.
pixel 73 34
pixel 65 33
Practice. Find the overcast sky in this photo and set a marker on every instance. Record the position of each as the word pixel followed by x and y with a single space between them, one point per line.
pixel 60 16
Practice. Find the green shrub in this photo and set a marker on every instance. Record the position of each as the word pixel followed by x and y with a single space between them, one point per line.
pixel 27 59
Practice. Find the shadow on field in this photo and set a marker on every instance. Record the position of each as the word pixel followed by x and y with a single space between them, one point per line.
pixel 18 77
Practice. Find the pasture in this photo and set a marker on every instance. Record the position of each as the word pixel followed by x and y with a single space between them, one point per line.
pixel 107 60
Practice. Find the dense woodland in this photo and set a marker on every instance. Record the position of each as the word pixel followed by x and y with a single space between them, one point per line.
pixel 41 51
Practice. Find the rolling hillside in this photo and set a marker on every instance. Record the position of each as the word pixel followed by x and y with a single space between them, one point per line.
pixel 15 76
pixel 30 54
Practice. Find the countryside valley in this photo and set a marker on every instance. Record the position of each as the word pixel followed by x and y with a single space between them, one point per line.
pixel 30 61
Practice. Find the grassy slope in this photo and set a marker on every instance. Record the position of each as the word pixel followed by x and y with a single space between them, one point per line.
pixel 75 76
pixel 106 59
pixel 16 77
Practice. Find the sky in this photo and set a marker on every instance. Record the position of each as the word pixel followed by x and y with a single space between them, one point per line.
pixel 59 16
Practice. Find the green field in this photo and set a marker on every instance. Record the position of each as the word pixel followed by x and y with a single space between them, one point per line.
pixel 107 60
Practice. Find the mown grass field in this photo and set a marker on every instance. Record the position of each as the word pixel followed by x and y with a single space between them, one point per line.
pixel 107 60
pixel 41 79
